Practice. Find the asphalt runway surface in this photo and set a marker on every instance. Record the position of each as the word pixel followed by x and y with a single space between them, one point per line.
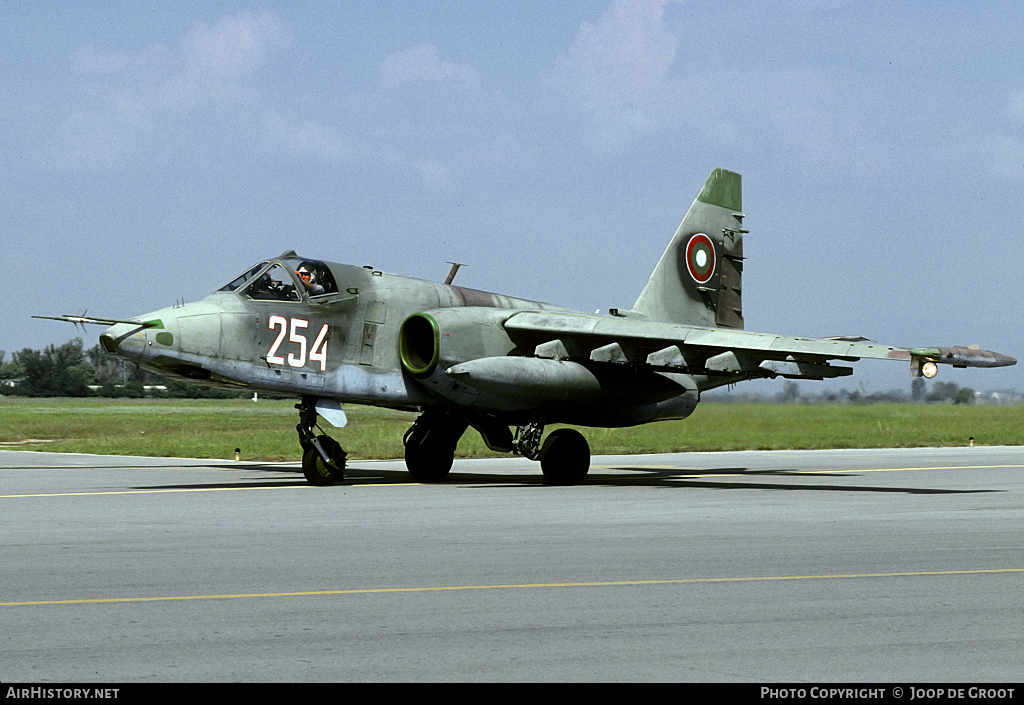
pixel 896 566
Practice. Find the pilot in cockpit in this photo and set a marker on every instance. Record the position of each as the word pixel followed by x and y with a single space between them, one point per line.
pixel 308 276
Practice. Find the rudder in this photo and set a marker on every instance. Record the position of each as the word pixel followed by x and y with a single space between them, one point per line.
pixel 698 279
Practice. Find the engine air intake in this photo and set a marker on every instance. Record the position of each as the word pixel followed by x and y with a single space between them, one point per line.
pixel 419 345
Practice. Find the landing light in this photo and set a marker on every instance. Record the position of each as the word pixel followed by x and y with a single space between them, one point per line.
pixel 929 369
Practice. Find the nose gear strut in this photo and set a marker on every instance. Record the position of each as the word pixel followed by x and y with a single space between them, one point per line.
pixel 323 458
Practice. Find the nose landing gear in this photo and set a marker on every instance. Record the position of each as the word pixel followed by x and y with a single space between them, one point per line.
pixel 323 458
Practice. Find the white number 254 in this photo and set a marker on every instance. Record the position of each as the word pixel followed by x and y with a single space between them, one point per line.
pixel 318 353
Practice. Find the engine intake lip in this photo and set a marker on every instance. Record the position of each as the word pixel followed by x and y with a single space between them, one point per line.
pixel 109 344
pixel 419 345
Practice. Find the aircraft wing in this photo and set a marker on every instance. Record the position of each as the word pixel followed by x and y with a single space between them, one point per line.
pixel 713 351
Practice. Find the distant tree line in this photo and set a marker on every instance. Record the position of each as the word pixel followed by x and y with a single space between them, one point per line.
pixel 69 370
pixel 940 392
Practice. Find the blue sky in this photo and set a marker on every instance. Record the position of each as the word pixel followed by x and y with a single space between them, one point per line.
pixel 152 151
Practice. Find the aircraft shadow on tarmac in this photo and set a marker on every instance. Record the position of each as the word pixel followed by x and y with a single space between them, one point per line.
pixel 624 476
pixel 683 478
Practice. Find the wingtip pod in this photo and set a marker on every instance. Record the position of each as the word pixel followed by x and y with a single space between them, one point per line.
pixel 923 360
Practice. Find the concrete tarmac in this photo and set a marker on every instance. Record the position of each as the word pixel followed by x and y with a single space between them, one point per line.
pixel 895 566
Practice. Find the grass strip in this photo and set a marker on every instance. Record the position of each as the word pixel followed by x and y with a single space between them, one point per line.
pixel 266 430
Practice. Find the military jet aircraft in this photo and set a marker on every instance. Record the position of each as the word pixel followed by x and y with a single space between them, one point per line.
pixel 333 333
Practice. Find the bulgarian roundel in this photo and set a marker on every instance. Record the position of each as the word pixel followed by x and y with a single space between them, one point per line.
pixel 700 258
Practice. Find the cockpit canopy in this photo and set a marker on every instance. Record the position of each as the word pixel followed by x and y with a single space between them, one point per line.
pixel 286 279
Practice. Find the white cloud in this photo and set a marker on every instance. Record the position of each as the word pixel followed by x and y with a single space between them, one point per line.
pixel 435 174
pixel 305 137
pixel 617 68
pixel 423 63
pixel 234 47
pixel 1017 107
pixel 1002 148
pixel 207 89
pixel 1004 155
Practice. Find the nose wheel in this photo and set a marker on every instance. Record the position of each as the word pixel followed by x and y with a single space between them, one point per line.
pixel 323 458
pixel 323 471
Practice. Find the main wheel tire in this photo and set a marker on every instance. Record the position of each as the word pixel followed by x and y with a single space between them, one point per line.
pixel 318 472
pixel 565 457
pixel 429 462
pixel 430 445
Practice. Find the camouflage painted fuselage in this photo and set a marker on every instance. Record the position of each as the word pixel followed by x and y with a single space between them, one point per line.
pixel 351 345
pixel 326 331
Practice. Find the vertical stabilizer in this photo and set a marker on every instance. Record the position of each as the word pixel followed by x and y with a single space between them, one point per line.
pixel 697 281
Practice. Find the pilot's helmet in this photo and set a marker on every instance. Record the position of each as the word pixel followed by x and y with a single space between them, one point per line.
pixel 307 272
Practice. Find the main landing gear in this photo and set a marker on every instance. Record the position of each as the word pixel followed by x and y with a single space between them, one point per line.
pixel 323 459
pixel 564 456
pixel 430 447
